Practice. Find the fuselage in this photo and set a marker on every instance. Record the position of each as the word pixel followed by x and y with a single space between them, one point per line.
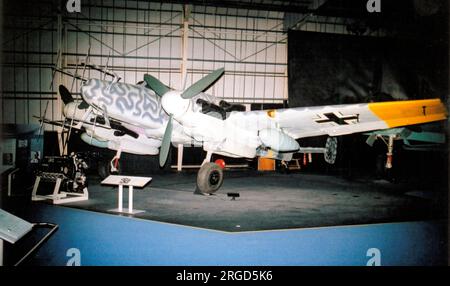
pixel 140 110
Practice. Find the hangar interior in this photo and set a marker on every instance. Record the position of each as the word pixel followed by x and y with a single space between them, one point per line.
pixel 276 54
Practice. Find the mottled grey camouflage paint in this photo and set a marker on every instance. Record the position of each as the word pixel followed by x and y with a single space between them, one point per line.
pixel 125 102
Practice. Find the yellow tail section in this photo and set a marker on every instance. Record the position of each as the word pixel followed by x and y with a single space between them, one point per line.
pixel 401 113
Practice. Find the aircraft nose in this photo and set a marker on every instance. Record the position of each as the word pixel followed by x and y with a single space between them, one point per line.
pixel 174 104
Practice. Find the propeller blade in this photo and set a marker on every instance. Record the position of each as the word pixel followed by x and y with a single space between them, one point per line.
pixel 158 87
pixel 203 84
pixel 165 145
pixel 371 139
pixel 66 96
pixel 83 105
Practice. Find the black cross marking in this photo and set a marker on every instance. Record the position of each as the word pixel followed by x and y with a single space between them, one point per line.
pixel 331 117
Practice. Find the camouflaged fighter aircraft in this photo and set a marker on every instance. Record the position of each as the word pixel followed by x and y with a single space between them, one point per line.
pixel 145 119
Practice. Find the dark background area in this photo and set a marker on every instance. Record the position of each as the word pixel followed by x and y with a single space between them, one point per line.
pixel 399 53
pixel 407 60
pixel 336 69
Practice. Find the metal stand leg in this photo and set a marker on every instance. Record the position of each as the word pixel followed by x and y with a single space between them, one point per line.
pixel 10 178
pixel 130 209
pixel 56 189
pixel 180 157
pixel 130 199
pixel 120 206
pixel 1 252
pixel 35 187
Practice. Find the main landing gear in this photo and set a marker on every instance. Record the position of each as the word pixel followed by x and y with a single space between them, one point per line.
pixel 106 167
pixel 210 176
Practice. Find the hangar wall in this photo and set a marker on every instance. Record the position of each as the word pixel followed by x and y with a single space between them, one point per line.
pixel 137 37
pixel 133 38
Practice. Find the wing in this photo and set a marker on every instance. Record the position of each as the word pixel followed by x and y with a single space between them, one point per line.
pixel 345 119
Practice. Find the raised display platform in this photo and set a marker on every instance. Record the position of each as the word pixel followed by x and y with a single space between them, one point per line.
pixel 271 200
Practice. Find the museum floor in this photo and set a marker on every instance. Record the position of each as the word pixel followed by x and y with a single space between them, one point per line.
pixel 270 201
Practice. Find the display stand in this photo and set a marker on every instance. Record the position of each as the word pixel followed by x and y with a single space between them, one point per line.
pixel 57 197
pixel 131 182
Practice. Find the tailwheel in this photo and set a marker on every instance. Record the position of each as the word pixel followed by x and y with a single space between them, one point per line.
pixel 209 178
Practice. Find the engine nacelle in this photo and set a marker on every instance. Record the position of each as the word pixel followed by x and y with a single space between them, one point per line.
pixel 279 141
pixel 93 141
pixel 72 111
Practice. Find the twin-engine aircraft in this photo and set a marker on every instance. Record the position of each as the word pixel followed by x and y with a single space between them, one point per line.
pixel 146 118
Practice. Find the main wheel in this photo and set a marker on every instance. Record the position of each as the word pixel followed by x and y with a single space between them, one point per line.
pixel 330 150
pixel 209 178
pixel 283 167
pixel 104 169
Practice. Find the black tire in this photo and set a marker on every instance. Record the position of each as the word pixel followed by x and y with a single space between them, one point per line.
pixel 283 167
pixel 380 164
pixel 209 178
pixel 104 169
pixel 330 150
pixel 381 171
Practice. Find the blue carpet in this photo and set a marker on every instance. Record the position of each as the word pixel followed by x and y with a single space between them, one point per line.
pixel 104 239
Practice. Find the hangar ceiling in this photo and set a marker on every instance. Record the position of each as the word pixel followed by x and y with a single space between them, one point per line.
pixel 247 37
pixel 132 38
pixel 297 6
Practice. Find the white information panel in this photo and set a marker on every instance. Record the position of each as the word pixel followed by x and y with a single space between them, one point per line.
pixel 131 182
pixel 12 228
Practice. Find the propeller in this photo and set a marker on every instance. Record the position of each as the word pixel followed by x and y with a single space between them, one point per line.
pixel 165 144
pixel 83 105
pixel 66 96
pixel 371 139
pixel 158 87
pixel 203 84
pixel 176 103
